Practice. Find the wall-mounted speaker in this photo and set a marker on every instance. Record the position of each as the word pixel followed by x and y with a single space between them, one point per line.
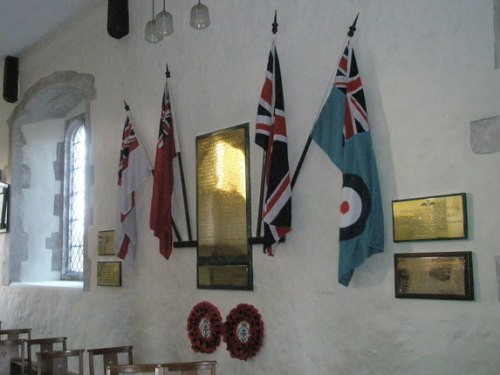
pixel 118 18
pixel 10 79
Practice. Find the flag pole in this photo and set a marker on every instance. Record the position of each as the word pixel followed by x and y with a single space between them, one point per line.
pixel 190 242
pixel 350 33
pixel 258 239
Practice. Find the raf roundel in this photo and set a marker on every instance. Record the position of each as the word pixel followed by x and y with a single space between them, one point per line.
pixel 354 207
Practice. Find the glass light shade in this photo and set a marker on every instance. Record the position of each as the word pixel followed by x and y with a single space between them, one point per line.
pixel 151 34
pixel 164 23
pixel 199 16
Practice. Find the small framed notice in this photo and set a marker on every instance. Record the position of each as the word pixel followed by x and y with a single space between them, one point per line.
pixel 434 275
pixel 442 217
pixel 109 273
pixel 106 242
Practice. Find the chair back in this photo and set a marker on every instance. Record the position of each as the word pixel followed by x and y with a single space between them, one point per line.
pixel 136 369
pixel 17 333
pixel 110 356
pixel 192 368
pixel 46 344
pixel 10 351
pixel 61 362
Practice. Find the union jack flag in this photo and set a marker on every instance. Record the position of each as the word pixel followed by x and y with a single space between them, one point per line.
pixel 348 81
pixel 270 134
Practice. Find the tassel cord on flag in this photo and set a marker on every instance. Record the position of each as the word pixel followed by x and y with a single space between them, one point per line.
pixel 352 29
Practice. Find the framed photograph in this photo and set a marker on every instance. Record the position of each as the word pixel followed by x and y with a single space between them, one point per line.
pixel 106 242
pixel 441 217
pixel 109 273
pixel 434 275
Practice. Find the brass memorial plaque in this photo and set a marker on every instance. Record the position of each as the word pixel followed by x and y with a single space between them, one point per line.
pixel 430 218
pixel 434 275
pixel 109 273
pixel 224 276
pixel 223 207
pixel 106 242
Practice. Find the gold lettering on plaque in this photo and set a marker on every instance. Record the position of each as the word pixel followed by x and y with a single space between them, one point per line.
pixel 430 218
pixel 222 203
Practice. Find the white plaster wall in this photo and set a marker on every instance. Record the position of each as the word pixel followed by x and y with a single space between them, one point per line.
pixel 428 70
pixel 39 153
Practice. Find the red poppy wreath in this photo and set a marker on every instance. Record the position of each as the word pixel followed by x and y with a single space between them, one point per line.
pixel 243 332
pixel 204 327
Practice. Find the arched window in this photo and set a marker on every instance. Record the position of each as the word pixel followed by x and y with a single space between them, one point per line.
pixel 74 199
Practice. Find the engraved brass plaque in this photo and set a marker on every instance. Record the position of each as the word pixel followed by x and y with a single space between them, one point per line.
pixel 223 276
pixel 430 218
pixel 106 242
pixel 434 275
pixel 223 207
pixel 109 273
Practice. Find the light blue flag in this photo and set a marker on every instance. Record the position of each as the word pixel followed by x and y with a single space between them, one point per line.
pixel 342 131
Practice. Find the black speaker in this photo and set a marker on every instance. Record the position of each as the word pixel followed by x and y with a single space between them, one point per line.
pixel 117 18
pixel 10 79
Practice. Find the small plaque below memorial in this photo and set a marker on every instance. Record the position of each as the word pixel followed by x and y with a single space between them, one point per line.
pixel 109 273
pixel 430 218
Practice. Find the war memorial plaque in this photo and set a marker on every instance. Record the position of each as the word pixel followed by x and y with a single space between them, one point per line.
pixel 222 166
pixel 430 218
pixel 109 273
pixel 434 275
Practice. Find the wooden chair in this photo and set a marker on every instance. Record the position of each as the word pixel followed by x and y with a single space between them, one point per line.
pixel 17 334
pixel 110 357
pixel 47 344
pixel 58 362
pixel 192 368
pixel 11 351
pixel 136 369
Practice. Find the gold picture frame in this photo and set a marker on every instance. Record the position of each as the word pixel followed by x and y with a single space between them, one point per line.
pixel 444 275
pixel 109 273
pixel 440 217
pixel 106 242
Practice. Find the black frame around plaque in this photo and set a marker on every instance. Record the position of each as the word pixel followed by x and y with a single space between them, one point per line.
pixel 238 268
pixel 437 276
pixel 4 207
pixel 463 218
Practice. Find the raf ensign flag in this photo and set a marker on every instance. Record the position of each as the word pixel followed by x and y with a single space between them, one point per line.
pixel 270 134
pixel 134 169
pixel 342 131
pixel 160 220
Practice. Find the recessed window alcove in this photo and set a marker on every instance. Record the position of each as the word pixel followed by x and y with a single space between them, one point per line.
pixel 37 128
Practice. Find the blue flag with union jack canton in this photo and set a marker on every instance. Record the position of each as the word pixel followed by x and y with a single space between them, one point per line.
pixel 342 131
pixel 270 134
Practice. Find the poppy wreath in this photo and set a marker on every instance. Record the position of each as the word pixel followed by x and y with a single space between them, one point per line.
pixel 204 326
pixel 243 332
